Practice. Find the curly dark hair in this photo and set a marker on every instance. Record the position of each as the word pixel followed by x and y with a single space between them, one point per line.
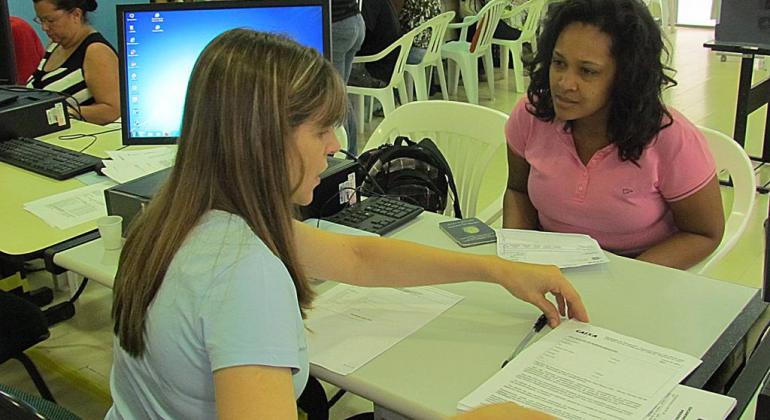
pixel 637 112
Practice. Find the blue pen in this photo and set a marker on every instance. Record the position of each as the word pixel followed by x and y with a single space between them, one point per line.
pixel 539 324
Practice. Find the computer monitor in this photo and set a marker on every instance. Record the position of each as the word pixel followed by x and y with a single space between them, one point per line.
pixel 7 57
pixel 159 43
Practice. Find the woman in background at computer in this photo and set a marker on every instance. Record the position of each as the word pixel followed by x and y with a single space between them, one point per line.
pixel 212 282
pixel 79 62
pixel 593 149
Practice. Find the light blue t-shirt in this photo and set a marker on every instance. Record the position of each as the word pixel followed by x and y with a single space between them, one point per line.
pixel 226 300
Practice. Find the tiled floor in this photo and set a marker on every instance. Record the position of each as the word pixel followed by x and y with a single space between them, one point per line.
pixel 75 361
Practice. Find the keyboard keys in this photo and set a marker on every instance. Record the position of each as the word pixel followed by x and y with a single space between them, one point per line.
pixel 45 159
pixel 378 215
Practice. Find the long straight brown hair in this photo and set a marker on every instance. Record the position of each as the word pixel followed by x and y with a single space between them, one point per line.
pixel 247 93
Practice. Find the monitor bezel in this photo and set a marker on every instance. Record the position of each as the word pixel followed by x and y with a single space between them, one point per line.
pixel 122 9
pixel 7 49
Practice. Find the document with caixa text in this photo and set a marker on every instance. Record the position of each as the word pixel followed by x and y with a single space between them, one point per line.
pixel 580 371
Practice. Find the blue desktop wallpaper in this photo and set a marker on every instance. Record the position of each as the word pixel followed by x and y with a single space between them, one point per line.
pixel 161 48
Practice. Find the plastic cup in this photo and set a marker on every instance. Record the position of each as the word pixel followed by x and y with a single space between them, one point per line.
pixel 111 229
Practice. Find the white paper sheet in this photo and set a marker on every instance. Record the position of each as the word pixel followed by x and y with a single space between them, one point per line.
pixel 579 371
pixel 127 165
pixel 561 249
pixel 73 207
pixel 686 403
pixel 349 325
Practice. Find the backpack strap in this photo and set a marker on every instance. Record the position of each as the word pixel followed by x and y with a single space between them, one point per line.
pixel 431 147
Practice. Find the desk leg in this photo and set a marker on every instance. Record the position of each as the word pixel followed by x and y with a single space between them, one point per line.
pixel 742 108
pixel 766 143
pixel 382 413
pixel 73 282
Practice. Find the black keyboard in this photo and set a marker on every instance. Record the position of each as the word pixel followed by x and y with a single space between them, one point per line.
pixel 45 159
pixel 378 215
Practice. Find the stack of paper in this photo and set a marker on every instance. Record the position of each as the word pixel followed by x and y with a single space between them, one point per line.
pixel 579 371
pixel 561 249
pixel 71 208
pixel 127 165
pixel 685 403
pixel 352 325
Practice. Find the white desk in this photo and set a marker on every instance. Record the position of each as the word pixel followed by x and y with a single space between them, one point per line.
pixel 426 375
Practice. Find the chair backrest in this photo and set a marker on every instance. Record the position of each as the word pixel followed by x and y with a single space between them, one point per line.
pixel 488 18
pixel 731 158
pixel 468 135
pixel 404 44
pixel 437 27
pixel 534 9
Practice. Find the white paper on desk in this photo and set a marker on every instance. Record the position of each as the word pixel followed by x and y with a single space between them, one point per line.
pixel 561 249
pixel 73 207
pixel 127 165
pixel 579 371
pixel 352 325
pixel 686 403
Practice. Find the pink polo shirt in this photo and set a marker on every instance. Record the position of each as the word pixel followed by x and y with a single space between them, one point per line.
pixel 621 205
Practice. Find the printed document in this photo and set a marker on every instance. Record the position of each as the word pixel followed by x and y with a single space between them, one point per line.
pixel 349 325
pixel 579 371
pixel 127 165
pixel 560 249
pixel 71 208
pixel 686 403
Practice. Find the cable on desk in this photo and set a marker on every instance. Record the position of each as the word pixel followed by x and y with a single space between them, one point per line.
pixel 67 137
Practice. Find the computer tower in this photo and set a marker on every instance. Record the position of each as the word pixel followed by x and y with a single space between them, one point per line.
pixel 744 21
pixel 337 189
pixel 31 113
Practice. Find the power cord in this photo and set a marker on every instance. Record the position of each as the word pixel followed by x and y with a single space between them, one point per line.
pixel 94 136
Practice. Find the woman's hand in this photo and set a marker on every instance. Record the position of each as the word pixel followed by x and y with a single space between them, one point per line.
pixel 502 411
pixel 532 282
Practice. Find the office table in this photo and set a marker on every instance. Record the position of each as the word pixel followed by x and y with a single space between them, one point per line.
pixel 425 375
pixel 750 97
pixel 24 235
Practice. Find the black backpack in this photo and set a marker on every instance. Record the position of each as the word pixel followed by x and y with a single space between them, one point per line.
pixel 415 173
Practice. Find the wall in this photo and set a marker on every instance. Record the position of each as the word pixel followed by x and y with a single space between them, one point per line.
pixel 103 19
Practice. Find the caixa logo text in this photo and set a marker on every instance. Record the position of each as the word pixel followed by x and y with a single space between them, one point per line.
pixel 586 333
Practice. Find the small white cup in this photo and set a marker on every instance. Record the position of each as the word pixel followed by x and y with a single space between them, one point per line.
pixel 110 229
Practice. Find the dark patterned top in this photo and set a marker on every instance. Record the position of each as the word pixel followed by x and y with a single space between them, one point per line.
pixel 415 13
pixel 68 78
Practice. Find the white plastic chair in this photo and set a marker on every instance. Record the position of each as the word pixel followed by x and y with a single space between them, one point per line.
pixel 460 54
pixel 342 137
pixel 661 8
pixel 533 10
pixel 730 157
pixel 385 94
pixel 432 58
pixel 468 135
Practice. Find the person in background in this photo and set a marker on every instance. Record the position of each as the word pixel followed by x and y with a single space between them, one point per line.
pixel 594 150
pixel 27 48
pixel 78 62
pixel 212 283
pixel 382 30
pixel 347 36
pixel 413 14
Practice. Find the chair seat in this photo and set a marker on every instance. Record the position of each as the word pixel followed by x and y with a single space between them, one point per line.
pixel 22 325
pixel 460 48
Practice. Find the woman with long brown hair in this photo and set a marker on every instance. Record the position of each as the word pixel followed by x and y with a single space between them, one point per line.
pixel 212 282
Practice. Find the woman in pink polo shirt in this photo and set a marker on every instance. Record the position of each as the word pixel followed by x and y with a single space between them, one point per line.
pixel 593 149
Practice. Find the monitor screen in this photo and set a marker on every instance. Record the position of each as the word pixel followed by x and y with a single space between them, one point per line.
pixel 159 43
pixel 7 58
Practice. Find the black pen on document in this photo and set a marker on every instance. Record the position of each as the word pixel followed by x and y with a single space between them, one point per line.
pixel 539 324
